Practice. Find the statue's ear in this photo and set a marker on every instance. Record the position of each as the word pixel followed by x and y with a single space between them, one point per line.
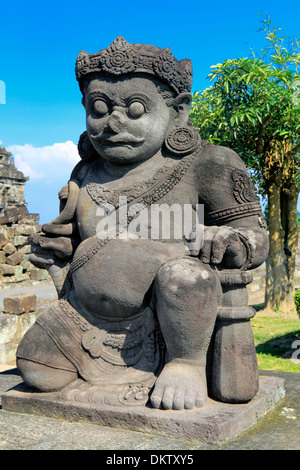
pixel 182 104
pixel 83 101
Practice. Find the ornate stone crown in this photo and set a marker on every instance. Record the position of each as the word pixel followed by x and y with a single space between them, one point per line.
pixel 123 58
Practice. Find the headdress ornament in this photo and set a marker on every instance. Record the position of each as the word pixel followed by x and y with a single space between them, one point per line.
pixel 123 58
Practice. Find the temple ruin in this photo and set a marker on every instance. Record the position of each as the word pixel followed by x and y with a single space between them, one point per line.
pixel 16 224
pixel 12 183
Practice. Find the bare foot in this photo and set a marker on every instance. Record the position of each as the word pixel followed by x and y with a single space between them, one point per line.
pixel 180 386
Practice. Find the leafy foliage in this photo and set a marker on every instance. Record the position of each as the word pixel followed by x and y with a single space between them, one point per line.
pixel 253 107
pixel 297 302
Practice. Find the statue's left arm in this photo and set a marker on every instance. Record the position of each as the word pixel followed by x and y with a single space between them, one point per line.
pixel 235 235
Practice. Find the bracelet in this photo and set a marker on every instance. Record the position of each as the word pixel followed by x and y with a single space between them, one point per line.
pixel 249 249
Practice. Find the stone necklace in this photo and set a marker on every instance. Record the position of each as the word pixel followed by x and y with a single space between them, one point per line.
pixel 101 194
pixel 149 193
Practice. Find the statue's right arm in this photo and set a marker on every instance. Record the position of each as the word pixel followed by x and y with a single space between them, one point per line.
pixel 53 248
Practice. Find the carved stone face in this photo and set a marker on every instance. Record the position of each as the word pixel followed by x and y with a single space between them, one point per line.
pixel 127 119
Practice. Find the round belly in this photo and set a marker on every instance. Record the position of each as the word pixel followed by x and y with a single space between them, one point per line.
pixel 116 281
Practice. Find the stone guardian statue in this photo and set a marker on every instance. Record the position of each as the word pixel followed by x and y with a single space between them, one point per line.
pixel 136 311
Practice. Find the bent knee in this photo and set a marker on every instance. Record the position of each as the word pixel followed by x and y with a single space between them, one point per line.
pixel 42 377
pixel 187 272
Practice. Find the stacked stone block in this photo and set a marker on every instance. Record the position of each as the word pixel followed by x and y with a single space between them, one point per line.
pixel 19 314
pixel 15 266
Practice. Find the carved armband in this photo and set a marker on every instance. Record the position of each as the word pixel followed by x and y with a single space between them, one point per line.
pixel 249 249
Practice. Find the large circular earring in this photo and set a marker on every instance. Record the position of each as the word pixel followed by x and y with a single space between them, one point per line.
pixel 85 147
pixel 182 140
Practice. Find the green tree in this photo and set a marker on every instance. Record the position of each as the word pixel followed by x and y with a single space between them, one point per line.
pixel 253 107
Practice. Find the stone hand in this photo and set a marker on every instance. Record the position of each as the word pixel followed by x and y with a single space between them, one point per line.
pixel 57 247
pixel 59 230
pixel 53 249
pixel 45 258
pixel 41 258
pixel 222 245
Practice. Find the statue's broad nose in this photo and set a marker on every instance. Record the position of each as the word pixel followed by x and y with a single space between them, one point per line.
pixel 116 122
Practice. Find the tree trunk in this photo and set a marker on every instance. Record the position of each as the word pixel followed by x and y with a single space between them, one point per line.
pixel 282 205
pixel 291 243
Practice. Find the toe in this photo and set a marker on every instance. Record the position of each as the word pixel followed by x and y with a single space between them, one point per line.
pixel 167 401
pixel 155 400
pixel 178 402
pixel 189 401
pixel 156 396
pixel 200 402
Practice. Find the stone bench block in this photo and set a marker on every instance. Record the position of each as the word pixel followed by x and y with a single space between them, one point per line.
pixel 18 304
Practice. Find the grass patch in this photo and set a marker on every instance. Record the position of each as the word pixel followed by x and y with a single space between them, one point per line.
pixel 277 341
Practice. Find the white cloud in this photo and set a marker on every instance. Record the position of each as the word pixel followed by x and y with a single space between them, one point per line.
pixel 47 162
pixel 49 169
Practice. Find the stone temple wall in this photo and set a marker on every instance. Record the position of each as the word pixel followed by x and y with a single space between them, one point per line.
pixel 12 183
pixel 20 310
pixel 16 224
pixel 15 266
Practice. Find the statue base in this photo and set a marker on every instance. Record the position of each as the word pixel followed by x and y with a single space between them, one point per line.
pixel 216 422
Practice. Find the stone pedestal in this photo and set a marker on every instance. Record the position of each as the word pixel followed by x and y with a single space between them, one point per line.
pixel 216 422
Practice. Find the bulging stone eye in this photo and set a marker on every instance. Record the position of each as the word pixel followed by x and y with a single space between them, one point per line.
pixel 136 109
pixel 100 107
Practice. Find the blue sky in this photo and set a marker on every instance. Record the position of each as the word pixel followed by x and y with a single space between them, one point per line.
pixel 43 116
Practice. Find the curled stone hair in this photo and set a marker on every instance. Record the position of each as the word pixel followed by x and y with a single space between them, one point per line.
pixel 166 93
